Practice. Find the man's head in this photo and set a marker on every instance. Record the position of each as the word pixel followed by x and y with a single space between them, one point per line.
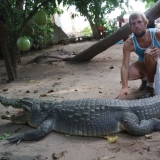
pixel 138 23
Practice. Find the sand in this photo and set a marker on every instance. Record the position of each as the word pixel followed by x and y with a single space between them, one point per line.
pixel 98 78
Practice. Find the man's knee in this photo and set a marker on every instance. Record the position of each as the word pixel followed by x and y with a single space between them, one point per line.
pixel 136 71
pixel 133 74
pixel 148 59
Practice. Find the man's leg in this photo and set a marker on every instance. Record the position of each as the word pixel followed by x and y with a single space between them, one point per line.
pixel 137 70
pixel 150 66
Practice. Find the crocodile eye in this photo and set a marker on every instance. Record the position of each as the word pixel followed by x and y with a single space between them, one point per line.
pixel 26 102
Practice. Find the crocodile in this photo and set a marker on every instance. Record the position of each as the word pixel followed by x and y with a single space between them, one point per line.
pixel 84 117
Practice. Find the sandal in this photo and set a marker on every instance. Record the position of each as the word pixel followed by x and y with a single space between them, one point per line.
pixel 146 93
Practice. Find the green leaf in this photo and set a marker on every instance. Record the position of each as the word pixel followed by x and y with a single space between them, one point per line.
pixel 4 136
pixel 32 80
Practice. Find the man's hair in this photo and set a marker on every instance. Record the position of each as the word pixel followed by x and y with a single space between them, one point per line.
pixel 135 15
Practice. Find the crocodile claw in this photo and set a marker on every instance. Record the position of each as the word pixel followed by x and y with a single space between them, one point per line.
pixel 15 139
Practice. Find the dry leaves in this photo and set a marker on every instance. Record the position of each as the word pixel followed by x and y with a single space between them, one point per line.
pixel 111 139
pixel 58 155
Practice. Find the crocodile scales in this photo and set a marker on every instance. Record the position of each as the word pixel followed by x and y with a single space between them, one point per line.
pixel 84 117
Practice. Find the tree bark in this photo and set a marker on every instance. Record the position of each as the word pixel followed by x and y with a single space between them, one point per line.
pixel 152 14
pixel 20 3
pixel 3 45
pixel 95 30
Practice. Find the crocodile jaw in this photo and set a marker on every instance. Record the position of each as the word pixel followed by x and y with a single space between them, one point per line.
pixel 21 117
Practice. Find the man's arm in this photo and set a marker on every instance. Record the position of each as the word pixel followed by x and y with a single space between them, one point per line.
pixel 127 49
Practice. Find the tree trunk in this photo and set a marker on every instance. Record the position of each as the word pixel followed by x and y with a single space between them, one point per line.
pixel 3 45
pixel 152 14
pixel 13 57
pixel 95 30
pixel 20 3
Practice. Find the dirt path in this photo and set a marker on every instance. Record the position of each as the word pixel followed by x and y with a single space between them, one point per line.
pixel 99 78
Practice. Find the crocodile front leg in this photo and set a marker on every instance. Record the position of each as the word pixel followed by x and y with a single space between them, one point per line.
pixel 131 124
pixel 34 134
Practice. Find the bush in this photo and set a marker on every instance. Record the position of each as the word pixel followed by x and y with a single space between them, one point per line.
pixel 86 31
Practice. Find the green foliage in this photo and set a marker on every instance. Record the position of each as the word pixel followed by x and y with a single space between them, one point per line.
pixel 149 3
pixel 43 35
pixel 4 136
pixel 86 31
pixel 94 10
pixel 19 13
pixel 111 26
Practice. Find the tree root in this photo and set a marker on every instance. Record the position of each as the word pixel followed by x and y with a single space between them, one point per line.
pixel 49 56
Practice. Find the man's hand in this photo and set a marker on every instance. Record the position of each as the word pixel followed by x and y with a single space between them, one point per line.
pixel 124 91
pixel 155 52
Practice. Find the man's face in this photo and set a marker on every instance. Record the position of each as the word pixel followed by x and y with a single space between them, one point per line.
pixel 138 27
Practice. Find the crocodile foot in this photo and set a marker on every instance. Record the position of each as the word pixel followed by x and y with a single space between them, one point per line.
pixel 15 139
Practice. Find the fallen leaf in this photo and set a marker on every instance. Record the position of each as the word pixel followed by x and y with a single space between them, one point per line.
pixel 4 135
pixel 43 95
pixel 56 83
pixel 55 96
pixel 148 136
pixel 111 139
pixel 50 91
pixel 111 67
pixel 108 157
pixel 58 155
pixel 32 80
pixel 35 91
pixel 67 135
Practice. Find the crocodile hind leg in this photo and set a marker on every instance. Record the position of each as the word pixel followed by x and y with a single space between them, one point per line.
pixel 131 124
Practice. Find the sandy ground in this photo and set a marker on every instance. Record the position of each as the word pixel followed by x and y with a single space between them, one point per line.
pixel 98 78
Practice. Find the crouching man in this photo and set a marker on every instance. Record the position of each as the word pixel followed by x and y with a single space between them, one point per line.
pixel 146 44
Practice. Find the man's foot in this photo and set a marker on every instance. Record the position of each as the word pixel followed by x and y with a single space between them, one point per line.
pixel 146 93
pixel 143 85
